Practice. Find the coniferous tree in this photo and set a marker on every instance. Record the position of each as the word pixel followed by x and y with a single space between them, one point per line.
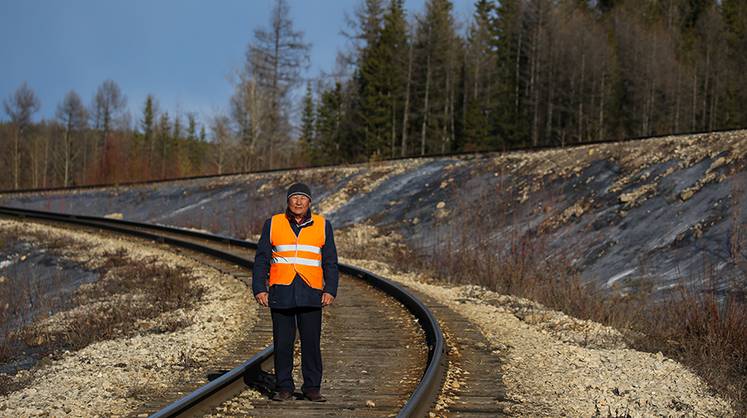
pixel 148 120
pixel 177 128
pixel 394 45
pixel 735 83
pixel 191 126
pixel 164 142
pixel 510 45
pixel 437 63
pixel 381 77
pixel 330 147
pixel 372 109
pixel 478 97
pixel 148 125
pixel 194 148
pixel 365 104
pixel 306 140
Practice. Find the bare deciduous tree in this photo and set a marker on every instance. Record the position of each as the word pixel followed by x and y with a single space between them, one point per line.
pixel 108 103
pixel 20 107
pixel 72 115
pixel 222 141
pixel 275 60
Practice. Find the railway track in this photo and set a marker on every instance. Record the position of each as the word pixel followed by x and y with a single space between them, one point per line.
pixel 383 349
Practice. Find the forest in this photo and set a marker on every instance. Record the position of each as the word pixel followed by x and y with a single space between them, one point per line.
pixel 519 73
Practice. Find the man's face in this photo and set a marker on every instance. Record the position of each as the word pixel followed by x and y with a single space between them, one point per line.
pixel 298 204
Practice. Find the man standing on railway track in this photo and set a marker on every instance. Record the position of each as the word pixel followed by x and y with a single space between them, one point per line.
pixel 295 275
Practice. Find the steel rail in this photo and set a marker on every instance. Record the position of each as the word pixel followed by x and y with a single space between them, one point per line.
pixel 419 402
pixel 505 150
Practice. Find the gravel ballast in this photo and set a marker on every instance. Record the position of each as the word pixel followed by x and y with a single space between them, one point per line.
pixel 114 377
pixel 556 365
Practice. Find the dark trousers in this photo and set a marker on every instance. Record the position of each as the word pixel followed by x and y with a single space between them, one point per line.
pixel 308 321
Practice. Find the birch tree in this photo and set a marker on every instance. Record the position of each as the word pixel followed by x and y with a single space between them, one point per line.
pixel 73 117
pixel 20 108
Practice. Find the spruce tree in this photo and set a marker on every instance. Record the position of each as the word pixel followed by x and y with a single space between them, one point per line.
pixel 177 128
pixel 369 104
pixel 306 140
pixel 394 46
pixel 164 142
pixel 437 74
pixel 191 127
pixel 735 18
pixel 146 123
pixel 511 122
pixel 478 99
pixel 330 148
pixel 148 126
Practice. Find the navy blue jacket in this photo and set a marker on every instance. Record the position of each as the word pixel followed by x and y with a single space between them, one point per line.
pixel 298 293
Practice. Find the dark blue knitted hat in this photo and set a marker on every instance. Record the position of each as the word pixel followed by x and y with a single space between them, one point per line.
pixel 299 188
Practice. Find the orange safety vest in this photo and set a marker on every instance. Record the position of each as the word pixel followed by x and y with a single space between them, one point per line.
pixel 300 254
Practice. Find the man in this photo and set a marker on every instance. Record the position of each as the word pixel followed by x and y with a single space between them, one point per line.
pixel 296 257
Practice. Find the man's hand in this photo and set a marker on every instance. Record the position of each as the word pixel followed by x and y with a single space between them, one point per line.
pixel 327 299
pixel 262 298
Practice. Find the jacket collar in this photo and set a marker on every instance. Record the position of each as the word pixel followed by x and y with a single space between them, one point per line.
pixel 307 220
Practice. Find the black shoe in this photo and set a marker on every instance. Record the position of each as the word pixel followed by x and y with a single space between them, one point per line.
pixel 314 396
pixel 283 395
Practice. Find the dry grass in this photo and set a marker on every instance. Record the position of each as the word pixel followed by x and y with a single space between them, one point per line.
pixel 125 299
pixel 127 292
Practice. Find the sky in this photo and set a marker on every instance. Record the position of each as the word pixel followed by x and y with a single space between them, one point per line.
pixel 185 52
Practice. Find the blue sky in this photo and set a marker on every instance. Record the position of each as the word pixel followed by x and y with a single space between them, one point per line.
pixel 182 51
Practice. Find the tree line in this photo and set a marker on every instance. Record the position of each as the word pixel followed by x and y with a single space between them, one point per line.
pixel 98 143
pixel 530 72
pixel 518 73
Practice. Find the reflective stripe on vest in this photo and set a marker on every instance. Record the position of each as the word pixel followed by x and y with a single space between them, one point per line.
pixel 300 254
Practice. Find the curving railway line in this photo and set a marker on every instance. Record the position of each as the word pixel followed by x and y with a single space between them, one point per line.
pixel 384 350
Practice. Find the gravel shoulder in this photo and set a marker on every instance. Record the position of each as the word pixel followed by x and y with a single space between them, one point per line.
pixel 115 376
pixel 556 365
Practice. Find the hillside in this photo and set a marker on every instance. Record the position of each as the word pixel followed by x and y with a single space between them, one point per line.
pixel 636 215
